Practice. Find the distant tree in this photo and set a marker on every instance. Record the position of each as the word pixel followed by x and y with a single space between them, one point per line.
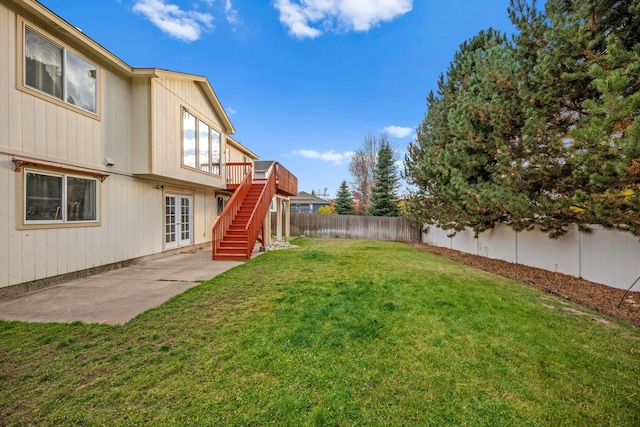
pixel 323 193
pixel 362 167
pixel 344 201
pixel 384 200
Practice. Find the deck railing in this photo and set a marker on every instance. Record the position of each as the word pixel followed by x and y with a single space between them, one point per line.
pixel 236 172
pixel 286 182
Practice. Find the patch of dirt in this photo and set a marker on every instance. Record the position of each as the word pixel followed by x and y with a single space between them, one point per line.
pixel 597 297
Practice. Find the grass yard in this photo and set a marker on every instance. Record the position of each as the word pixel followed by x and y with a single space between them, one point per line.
pixel 335 333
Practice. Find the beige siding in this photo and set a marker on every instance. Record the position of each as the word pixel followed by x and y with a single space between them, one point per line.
pixel 236 155
pixel 14 239
pixel 116 121
pixel 139 127
pixel 205 205
pixel 35 126
pixel 141 139
pixel 7 206
pixel 131 227
pixel 169 96
pixel 7 66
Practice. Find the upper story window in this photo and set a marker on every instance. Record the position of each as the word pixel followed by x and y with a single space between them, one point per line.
pixel 200 144
pixel 52 69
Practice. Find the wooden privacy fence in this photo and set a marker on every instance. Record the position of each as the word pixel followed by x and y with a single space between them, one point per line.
pixel 354 227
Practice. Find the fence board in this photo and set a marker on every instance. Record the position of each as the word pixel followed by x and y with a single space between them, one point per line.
pixel 603 256
pixel 353 227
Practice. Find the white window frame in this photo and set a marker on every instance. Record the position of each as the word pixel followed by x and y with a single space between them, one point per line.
pixel 64 202
pixel 65 52
pixel 210 167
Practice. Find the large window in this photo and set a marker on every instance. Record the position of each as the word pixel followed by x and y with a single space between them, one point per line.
pixel 200 145
pixel 58 72
pixel 59 198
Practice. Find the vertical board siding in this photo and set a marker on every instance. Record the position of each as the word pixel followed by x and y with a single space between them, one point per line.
pixel 51 260
pixel 169 96
pixel 352 227
pixel 609 257
pixel 6 192
pixel 114 132
pixel 131 227
pixel 130 207
pixel 7 65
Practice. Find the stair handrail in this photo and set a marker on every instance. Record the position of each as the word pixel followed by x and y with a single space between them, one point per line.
pixel 223 222
pixel 260 210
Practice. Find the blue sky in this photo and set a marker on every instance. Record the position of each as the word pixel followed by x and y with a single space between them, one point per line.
pixel 303 81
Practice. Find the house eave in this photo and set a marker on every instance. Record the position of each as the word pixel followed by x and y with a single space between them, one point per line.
pixel 39 13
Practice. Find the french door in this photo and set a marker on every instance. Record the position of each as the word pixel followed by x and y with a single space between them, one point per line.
pixel 178 220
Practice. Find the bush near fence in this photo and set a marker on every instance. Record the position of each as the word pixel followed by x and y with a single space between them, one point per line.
pixel 353 227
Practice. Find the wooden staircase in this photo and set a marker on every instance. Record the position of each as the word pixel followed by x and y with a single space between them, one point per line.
pixel 236 230
pixel 234 243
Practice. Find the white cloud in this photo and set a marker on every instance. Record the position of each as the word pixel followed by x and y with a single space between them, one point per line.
pixel 183 25
pixel 310 18
pixel 231 13
pixel 231 111
pixel 399 131
pixel 328 156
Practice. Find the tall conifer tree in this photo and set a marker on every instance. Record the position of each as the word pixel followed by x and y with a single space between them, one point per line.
pixel 542 129
pixel 384 200
pixel 344 200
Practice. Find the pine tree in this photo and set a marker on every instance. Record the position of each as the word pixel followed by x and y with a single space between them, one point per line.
pixel 344 201
pixel 384 201
pixel 540 130
pixel 581 87
pixel 465 158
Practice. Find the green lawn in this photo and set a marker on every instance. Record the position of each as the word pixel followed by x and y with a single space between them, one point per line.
pixel 336 332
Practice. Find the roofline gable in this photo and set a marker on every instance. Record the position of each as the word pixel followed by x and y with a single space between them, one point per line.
pixel 68 33
pixel 206 87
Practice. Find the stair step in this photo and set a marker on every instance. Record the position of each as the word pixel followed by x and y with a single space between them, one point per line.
pixel 231 251
pixel 230 257
pixel 235 243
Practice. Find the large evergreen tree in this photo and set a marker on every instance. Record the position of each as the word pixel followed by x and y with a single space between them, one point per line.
pixel 344 201
pixel 384 201
pixel 467 146
pixel 542 129
pixel 580 78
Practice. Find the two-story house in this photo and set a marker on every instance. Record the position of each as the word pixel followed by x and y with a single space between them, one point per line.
pixel 102 163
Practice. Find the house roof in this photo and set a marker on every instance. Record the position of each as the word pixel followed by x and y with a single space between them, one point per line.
pixel 304 197
pixel 263 165
pixel 68 33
